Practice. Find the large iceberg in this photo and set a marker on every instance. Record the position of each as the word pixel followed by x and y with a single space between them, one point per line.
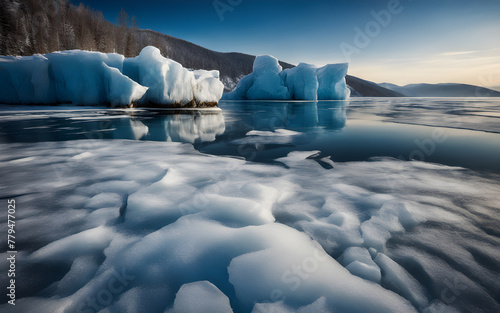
pixel 269 81
pixel 94 78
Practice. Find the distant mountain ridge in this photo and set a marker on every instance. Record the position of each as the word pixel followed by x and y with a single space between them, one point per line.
pixel 441 90
pixel 364 88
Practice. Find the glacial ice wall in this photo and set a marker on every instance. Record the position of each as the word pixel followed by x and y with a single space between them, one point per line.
pixel 94 78
pixel 269 81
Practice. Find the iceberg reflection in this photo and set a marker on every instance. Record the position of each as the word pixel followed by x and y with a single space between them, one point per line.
pixel 130 129
pixel 332 115
pixel 195 127
pixel 293 115
pixel 189 128
pixel 185 126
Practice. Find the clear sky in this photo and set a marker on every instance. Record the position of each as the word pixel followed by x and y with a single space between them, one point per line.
pixel 405 41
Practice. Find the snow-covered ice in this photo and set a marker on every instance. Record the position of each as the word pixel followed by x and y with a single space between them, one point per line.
pixel 159 227
pixel 208 299
pixel 269 81
pixel 93 78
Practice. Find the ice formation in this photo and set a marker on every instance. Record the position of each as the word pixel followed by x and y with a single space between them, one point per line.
pixel 158 227
pixel 269 81
pixel 93 78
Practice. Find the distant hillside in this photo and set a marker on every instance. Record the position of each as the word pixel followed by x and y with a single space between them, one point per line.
pixel 232 66
pixel 402 90
pixel 442 90
pixel 363 88
pixel 32 26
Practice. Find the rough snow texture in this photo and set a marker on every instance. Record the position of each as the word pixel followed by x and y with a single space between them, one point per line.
pixel 93 78
pixel 124 226
pixel 268 81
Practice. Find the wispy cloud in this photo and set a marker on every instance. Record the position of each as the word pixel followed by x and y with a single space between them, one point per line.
pixel 457 53
pixel 481 68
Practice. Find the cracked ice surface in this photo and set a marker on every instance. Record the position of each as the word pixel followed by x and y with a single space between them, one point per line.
pixel 117 225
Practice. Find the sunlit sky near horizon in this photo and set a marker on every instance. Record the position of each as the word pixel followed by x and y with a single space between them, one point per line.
pixel 431 41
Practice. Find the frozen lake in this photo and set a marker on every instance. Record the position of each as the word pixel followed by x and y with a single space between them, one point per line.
pixel 256 207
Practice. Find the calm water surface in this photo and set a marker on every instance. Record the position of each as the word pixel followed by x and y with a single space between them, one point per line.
pixel 451 131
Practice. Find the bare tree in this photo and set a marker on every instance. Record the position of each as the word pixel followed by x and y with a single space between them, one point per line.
pixel 122 19
pixel 134 22
pixel 131 45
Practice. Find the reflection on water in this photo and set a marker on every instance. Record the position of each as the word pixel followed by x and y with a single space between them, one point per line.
pixel 197 128
pixel 189 127
pixel 404 128
pixel 262 115
pixel 186 126
pixel 129 128
pixel 263 131
pixel 463 113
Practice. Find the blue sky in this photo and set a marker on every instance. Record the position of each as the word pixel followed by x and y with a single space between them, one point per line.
pixel 414 41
